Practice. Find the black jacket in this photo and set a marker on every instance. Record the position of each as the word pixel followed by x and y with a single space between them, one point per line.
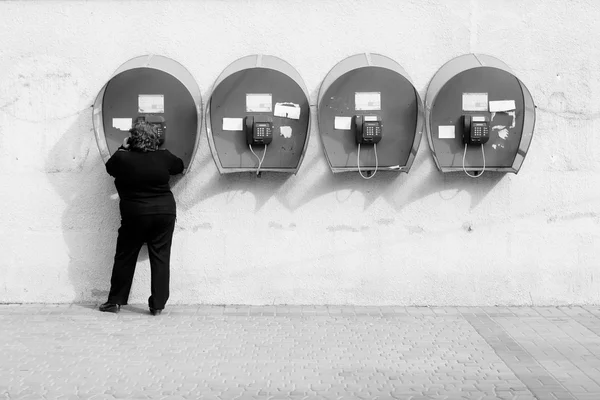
pixel 142 181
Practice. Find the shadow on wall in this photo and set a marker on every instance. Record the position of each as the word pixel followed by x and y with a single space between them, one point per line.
pixel 446 185
pixel 399 189
pixel 262 189
pixel 200 188
pixel 91 216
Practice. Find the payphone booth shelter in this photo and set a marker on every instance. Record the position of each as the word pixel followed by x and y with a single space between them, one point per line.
pixel 258 117
pixel 479 116
pixel 370 116
pixel 158 90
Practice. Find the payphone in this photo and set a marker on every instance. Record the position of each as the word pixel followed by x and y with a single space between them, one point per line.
pixel 258 117
pixel 476 131
pixel 259 131
pixel 368 131
pixel 360 95
pixel 475 105
pixel 154 89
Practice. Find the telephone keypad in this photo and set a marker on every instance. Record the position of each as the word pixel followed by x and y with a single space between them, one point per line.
pixel 371 130
pixel 160 131
pixel 262 132
pixel 480 131
pixel 476 129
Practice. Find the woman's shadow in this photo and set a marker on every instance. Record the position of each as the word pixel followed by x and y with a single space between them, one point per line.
pixel 91 216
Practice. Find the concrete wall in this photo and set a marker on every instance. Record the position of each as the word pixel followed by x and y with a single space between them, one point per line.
pixel 419 239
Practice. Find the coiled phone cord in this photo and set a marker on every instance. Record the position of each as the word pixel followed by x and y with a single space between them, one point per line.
pixel 376 162
pixel 482 171
pixel 260 161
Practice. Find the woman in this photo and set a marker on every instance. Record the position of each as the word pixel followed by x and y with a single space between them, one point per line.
pixel 148 210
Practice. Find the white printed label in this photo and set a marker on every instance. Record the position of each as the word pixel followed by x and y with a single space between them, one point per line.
pixel 343 123
pixel 233 124
pixel 287 110
pixel 502 105
pixel 151 103
pixel 122 124
pixel 446 132
pixel 475 101
pixel 367 101
pixel 259 102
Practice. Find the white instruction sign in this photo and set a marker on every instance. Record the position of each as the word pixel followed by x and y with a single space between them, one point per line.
pixel 151 103
pixel 287 110
pixel 446 132
pixel 256 102
pixel 343 123
pixel 502 105
pixel 122 124
pixel 367 101
pixel 233 124
pixel 475 101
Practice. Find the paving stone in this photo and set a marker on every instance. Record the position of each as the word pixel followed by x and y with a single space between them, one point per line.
pixel 300 352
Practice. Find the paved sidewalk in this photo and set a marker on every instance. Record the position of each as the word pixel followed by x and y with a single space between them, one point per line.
pixel 204 352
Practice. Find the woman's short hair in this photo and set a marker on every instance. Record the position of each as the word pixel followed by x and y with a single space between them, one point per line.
pixel 143 137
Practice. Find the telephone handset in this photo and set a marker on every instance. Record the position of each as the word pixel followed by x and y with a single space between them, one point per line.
pixel 476 129
pixel 259 130
pixel 368 129
pixel 158 123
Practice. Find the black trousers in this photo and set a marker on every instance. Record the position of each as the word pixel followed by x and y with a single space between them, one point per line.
pixel 157 232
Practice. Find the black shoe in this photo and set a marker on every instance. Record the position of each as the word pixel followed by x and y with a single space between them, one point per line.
pixel 109 307
pixel 155 311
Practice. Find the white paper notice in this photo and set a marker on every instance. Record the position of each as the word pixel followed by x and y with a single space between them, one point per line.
pixel 369 101
pixel 287 110
pixel 151 103
pixel 233 124
pixel 446 132
pixel 502 105
pixel 122 124
pixel 475 101
pixel 259 102
pixel 343 123
pixel 285 131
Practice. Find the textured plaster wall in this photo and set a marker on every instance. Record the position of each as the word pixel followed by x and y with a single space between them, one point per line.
pixel 419 239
